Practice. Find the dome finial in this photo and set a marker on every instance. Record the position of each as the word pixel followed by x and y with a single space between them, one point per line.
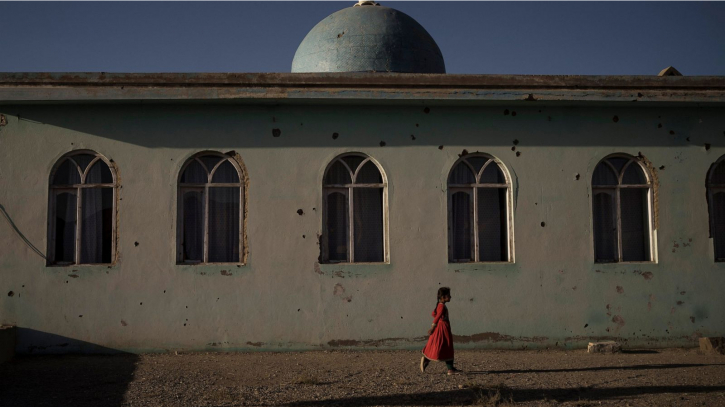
pixel 366 3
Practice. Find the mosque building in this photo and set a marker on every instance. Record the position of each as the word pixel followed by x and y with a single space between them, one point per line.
pixel 323 208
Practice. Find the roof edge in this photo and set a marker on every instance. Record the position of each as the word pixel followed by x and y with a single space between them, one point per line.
pixel 360 80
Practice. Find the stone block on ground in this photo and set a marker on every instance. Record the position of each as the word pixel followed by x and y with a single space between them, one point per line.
pixel 713 345
pixel 604 347
pixel 7 343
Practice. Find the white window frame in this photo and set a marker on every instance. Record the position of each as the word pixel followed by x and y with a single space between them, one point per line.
pixel 349 190
pixel 712 189
pixel 204 189
pixel 55 190
pixel 615 190
pixel 472 191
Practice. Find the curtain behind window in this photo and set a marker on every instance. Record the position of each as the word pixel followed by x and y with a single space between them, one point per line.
pixel 96 226
pixel 65 227
pixel 605 232
pixel 223 224
pixel 368 226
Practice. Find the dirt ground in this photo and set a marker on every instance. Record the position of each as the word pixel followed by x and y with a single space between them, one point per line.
pixel 671 377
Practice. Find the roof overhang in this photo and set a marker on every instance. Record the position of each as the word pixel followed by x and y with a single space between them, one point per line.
pixel 356 88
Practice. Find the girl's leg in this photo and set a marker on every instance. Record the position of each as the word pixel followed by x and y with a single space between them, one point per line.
pixel 424 361
pixel 452 370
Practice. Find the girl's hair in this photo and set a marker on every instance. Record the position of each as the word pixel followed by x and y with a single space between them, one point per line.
pixel 443 291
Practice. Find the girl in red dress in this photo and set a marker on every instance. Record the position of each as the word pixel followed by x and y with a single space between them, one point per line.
pixel 440 343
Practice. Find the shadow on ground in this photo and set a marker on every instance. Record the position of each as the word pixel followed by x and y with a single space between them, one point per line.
pixel 468 396
pixel 66 380
pixel 597 368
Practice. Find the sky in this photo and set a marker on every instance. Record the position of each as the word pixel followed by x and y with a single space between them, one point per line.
pixel 544 38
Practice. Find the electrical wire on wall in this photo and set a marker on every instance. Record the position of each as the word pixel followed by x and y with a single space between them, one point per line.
pixel 20 235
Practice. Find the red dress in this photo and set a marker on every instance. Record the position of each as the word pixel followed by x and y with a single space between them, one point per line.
pixel 440 343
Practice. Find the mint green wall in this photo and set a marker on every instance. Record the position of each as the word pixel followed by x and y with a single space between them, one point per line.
pixel 552 295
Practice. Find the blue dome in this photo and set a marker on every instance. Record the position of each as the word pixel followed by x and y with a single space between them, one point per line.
pixel 368 38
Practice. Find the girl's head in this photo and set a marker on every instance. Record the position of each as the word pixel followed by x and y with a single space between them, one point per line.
pixel 444 294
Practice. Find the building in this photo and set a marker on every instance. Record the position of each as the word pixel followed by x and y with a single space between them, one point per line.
pixel 224 216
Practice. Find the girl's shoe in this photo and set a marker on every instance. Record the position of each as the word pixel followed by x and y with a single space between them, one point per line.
pixel 454 371
pixel 423 363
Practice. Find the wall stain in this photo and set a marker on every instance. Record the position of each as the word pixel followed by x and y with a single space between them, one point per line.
pixel 372 342
pixel 496 337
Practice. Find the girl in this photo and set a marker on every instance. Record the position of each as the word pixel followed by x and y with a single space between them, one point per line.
pixel 440 342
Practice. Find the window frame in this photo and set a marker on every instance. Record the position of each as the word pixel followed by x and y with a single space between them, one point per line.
pixel 55 190
pixel 712 189
pixel 204 189
pixel 616 192
pixel 348 190
pixel 472 191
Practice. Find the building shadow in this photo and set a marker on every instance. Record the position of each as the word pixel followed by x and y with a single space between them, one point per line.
pixel 468 396
pixel 85 375
pixel 597 368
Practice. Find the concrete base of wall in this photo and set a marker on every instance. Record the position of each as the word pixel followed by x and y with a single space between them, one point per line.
pixel 7 343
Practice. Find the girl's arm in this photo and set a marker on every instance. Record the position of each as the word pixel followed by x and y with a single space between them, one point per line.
pixel 439 314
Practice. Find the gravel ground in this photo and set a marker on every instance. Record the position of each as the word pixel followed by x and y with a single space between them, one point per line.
pixel 681 377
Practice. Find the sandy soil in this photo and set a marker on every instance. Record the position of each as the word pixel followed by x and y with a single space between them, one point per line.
pixel 672 377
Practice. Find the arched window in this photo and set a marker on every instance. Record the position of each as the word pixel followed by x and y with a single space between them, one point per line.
pixel 210 210
pixel 82 224
pixel 354 195
pixel 478 211
pixel 716 205
pixel 622 198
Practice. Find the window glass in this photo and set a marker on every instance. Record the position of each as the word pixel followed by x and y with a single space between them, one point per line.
pixel 193 227
pixel 635 226
pixel 97 225
pixel 65 227
pixel 492 175
pixel 605 224
pixel 82 218
pixel 99 174
pixel 337 226
pixel 369 174
pixel 83 160
pixel 368 224
pixel 338 174
pixel 461 221
pixel 67 174
pixel 223 225
pixel 604 175
pixel 210 161
pixel 718 224
pixel 477 163
pixel 618 163
pixel 353 161
pixel 718 175
pixel 462 175
pixel 226 174
pixel 633 175
pixel 492 233
pixel 194 174
pixel 354 212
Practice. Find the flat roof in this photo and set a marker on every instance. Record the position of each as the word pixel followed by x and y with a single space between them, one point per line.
pixel 35 87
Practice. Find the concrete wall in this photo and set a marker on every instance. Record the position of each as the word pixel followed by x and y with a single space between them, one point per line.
pixel 552 295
